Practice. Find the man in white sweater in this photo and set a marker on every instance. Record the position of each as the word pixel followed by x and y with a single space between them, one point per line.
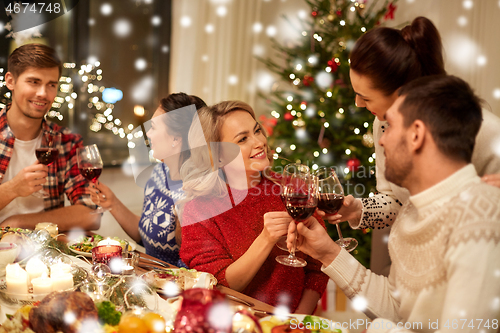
pixel 445 242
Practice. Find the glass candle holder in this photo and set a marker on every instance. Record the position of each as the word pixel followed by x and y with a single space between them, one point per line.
pixel 105 254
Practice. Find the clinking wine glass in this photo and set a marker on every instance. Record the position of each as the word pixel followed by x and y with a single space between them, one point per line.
pixel 90 166
pixel 331 199
pixel 300 194
pixel 290 169
pixel 47 154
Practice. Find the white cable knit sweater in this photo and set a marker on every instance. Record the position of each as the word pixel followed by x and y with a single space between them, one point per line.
pixel 445 250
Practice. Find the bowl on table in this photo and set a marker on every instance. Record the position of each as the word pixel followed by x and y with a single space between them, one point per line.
pixel 8 253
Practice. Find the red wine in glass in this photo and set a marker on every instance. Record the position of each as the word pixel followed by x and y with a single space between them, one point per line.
pixel 298 207
pixel 330 203
pixel 91 173
pixel 331 199
pixel 300 193
pixel 90 167
pixel 46 156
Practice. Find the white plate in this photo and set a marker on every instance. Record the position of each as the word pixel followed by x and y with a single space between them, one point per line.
pixel 298 318
pixel 183 282
pixel 89 254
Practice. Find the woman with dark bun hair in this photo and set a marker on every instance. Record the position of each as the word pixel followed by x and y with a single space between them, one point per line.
pixel 156 227
pixel 382 61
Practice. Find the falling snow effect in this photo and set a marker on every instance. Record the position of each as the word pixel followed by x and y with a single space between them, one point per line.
pixel 122 28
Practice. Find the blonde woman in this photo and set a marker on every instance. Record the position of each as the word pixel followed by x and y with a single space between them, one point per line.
pixel 234 214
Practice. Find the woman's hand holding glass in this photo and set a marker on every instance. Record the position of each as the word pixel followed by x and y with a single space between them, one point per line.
pixel 276 225
pixel 350 211
pixel 102 195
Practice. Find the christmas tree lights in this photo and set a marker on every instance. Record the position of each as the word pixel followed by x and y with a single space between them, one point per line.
pixel 316 120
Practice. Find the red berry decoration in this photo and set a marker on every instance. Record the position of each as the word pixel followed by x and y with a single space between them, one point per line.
pixel 314 13
pixel 353 164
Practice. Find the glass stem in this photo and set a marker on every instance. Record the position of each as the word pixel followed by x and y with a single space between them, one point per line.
pixel 292 251
pixel 340 235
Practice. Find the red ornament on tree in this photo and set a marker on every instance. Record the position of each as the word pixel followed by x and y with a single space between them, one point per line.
pixel 353 164
pixel 389 15
pixel 288 116
pixel 339 13
pixel 307 80
pixel 333 65
pixel 314 14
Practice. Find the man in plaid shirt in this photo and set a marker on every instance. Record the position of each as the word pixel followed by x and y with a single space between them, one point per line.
pixel 33 76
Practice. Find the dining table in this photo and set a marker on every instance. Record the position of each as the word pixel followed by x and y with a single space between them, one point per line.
pixel 260 309
pixel 147 263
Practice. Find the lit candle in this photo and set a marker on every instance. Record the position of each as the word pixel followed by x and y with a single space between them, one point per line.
pixel 42 285
pixel 59 268
pixel 17 279
pixel 35 268
pixel 61 282
pixel 108 241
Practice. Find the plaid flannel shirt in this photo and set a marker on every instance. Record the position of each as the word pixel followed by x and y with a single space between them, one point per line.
pixel 63 176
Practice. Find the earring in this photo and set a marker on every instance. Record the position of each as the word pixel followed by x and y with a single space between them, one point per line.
pixel 173 144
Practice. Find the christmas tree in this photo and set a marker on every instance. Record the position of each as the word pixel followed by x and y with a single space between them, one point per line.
pixel 314 119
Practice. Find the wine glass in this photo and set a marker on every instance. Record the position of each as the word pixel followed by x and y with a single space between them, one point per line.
pixel 331 199
pixel 90 166
pixel 47 154
pixel 290 169
pixel 300 194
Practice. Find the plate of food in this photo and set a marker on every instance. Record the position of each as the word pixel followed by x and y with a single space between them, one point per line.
pixel 297 323
pixel 83 245
pixel 171 281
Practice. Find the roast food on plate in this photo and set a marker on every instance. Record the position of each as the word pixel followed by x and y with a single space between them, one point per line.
pixel 299 323
pixel 51 315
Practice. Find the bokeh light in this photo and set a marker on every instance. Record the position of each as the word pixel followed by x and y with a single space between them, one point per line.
pixel 257 27
pixel 462 21
pixel 106 9
pixel 232 80
pixel 156 20
pixel 141 64
pixel 271 31
pixel 468 4
pixel 209 28
pixel 221 11
pixel 185 21
pixel 496 93
pixel 122 28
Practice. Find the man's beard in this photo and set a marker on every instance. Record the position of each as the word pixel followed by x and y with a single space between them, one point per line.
pixel 399 166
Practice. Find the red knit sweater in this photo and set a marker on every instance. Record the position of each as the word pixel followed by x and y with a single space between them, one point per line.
pixel 216 242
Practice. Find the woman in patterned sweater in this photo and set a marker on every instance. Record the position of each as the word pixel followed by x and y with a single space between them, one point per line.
pixel 156 227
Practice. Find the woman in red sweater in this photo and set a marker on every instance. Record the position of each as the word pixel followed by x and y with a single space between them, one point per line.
pixel 234 215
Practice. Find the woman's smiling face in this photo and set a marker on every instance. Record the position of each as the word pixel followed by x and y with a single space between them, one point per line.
pixel 242 129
